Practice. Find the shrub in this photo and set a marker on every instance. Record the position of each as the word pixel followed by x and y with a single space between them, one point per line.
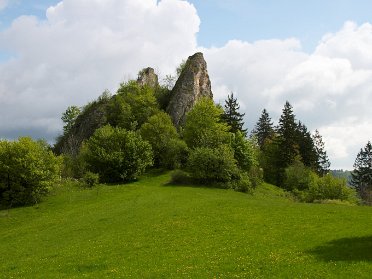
pixel 180 177
pixel 169 150
pixel 210 165
pixel 132 106
pixel 28 169
pixel 116 154
pixel 299 177
pixel 245 151
pixel 331 188
pixel 203 126
pixel 243 184
pixel 90 179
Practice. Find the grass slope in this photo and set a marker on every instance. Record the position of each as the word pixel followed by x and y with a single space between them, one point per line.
pixel 149 230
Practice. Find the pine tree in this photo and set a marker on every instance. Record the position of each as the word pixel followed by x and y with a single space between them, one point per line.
pixel 287 131
pixel 232 116
pixel 306 146
pixel 264 129
pixel 322 161
pixel 361 177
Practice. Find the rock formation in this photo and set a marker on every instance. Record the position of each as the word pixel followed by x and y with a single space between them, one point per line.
pixel 192 85
pixel 148 77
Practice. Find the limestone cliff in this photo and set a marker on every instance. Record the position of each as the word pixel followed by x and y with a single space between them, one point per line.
pixel 148 77
pixel 192 85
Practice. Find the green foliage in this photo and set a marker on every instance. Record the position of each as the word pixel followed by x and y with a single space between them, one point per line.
pixel 169 150
pixel 287 138
pixel 245 151
pixel 269 160
pixel 91 179
pixel 69 117
pixel 132 106
pixel 322 161
pixel 203 127
pixel 117 154
pixel 28 169
pixel 180 177
pixel 210 165
pixel 264 129
pixel 232 117
pixel 306 147
pixel 163 95
pixel 309 187
pixel 242 184
pixel 92 117
pixel 73 166
pixel 361 177
pixel 299 177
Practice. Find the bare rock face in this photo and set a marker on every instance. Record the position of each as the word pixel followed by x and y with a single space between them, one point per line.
pixel 148 77
pixel 192 85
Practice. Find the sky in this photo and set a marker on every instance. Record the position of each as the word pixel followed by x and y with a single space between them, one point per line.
pixel 315 54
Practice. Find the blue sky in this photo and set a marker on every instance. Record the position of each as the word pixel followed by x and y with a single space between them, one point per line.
pixel 315 54
pixel 249 20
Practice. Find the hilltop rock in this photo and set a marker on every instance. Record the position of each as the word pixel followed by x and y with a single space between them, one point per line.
pixel 148 77
pixel 192 85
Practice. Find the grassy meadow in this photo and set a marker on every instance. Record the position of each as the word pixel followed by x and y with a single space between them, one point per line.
pixel 149 229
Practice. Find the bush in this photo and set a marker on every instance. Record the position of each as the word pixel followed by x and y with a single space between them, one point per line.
pixel 203 127
pixel 245 151
pixel 169 150
pixel 210 165
pixel 90 179
pixel 180 177
pixel 116 154
pixel 243 184
pixel 28 169
pixel 331 188
pixel 299 177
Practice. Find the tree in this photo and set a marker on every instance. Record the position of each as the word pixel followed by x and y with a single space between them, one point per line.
pixel 245 151
pixel 28 169
pixel 361 177
pixel 306 146
pixel 264 128
pixel 232 116
pixel 203 127
pixel 160 132
pixel 69 117
pixel 132 106
pixel 116 154
pixel 288 146
pixel 322 161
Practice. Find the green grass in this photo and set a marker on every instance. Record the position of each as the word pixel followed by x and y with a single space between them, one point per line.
pixel 150 230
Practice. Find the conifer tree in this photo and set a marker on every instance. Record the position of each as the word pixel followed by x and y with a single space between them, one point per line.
pixel 287 131
pixel 361 177
pixel 264 128
pixel 306 146
pixel 232 116
pixel 322 161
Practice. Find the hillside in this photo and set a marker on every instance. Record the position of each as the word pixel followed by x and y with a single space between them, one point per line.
pixel 149 229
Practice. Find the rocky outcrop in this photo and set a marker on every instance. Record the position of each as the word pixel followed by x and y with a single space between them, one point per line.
pixel 192 85
pixel 148 77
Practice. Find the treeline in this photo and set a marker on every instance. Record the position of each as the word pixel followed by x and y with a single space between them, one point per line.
pixel 116 138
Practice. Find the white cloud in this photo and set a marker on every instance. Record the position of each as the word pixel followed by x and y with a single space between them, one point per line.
pixel 82 48
pixel 3 4
pixel 330 89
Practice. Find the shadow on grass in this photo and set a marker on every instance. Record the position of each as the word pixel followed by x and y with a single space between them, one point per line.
pixel 345 249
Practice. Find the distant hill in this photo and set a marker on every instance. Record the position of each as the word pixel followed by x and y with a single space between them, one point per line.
pixel 342 174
